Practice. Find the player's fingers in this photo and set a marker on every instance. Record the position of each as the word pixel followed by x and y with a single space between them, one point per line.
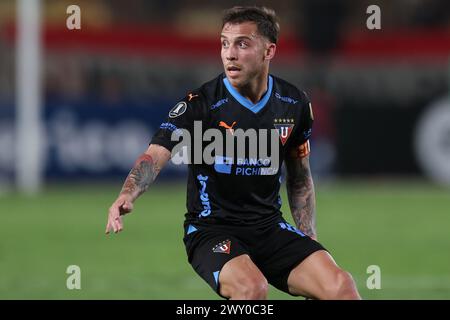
pixel 111 227
pixel 114 210
pixel 115 224
pixel 119 224
pixel 108 227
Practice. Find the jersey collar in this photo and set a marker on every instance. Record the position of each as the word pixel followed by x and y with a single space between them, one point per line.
pixel 254 107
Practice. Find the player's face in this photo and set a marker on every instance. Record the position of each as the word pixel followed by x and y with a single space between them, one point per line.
pixel 244 52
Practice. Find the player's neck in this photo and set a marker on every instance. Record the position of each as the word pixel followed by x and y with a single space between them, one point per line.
pixel 255 89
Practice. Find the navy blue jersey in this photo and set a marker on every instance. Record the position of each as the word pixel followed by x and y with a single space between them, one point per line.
pixel 242 188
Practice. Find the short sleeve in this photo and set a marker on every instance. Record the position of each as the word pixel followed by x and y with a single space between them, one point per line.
pixel 180 117
pixel 305 122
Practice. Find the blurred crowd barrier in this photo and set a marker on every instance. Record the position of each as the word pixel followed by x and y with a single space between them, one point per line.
pixel 108 86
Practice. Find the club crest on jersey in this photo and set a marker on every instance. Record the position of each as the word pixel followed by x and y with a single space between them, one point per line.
pixel 223 247
pixel 284 127
pixel 178 110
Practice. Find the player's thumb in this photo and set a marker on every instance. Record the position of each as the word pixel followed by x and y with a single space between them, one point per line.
pixel 127 206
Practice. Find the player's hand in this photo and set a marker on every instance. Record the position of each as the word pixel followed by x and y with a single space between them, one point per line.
pixel 120 207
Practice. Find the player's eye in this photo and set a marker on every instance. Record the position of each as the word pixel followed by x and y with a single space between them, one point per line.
pixel 225 44
pixel 243 44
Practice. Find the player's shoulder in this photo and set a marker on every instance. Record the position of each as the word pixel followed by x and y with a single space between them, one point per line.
pixel 204 94
pixel 213 89
pixel 288 92
pixel 196 102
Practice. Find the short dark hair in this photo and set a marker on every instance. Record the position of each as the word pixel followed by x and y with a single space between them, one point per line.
pixel 265 19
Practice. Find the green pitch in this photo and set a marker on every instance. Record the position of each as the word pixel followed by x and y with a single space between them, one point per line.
pixel 401 227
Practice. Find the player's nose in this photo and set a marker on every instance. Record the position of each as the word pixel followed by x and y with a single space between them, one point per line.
pixel 231 54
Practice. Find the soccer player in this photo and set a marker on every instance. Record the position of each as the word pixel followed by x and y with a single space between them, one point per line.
pixel 235 236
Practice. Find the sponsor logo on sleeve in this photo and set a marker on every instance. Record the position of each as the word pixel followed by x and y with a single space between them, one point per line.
pixel 178 110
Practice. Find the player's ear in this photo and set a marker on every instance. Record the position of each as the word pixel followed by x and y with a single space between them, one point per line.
pixel 270 50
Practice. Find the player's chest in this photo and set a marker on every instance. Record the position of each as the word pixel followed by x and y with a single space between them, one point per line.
pixel 233 116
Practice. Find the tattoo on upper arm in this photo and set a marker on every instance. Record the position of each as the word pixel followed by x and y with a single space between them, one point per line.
pixel 300 189
pixel 141 176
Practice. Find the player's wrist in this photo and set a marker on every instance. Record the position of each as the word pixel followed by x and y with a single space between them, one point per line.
pixel 126 196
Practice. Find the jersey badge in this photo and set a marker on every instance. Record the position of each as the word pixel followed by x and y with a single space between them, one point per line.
pixel 284 127
pixel 223 247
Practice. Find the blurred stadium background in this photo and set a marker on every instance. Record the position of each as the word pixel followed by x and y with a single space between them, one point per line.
pixel 381 142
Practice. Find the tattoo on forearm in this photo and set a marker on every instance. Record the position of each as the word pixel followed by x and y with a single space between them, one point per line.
pixel 141 176
pixel 300 189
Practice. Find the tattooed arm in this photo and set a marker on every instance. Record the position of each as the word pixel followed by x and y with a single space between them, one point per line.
pixel 300 190
pixel 144 172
